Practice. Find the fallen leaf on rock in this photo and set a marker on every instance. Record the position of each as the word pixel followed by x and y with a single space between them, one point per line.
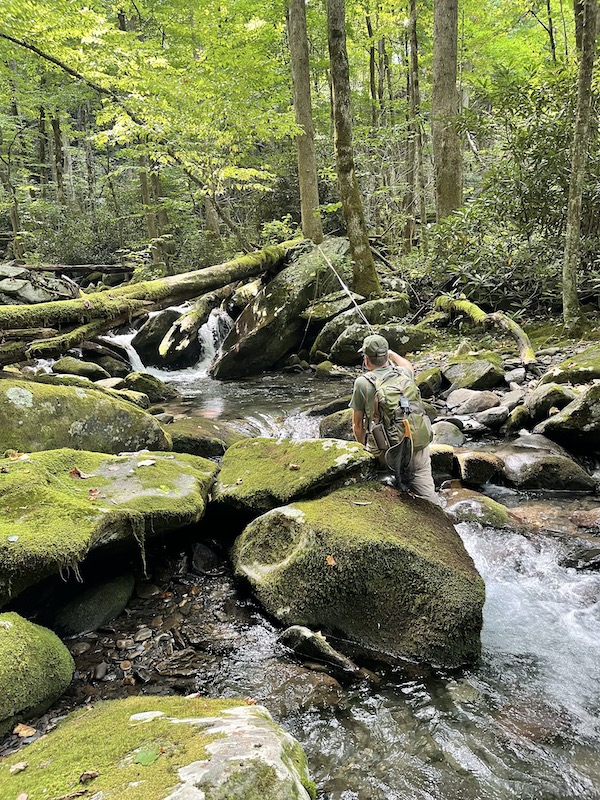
pixel 331 561
pixel 19 767
pixel 24 731
pixel 147 463
pixel 363 503
pixel 23 796
pixel 93 492
pixel 294 466
pixel 250 701
pixel 88 775
pixel 147 756
pixel 77 473
pixel 114 468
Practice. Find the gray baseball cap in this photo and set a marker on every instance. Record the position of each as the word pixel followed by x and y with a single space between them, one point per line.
pixel 375 346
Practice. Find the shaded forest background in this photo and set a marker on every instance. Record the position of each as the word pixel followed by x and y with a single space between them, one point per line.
pixel 160 136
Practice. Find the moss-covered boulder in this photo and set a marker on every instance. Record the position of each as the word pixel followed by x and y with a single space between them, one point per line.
pixel 337 426
pixel 157 391
pixel 330 306
pixel 94 606
pixel 401 338
pixel 442 461
pixel 154 748
pixel 517 419
pixel 148 338
pixel 57 505
pixel 581 368
pixel 547 396
pixel 577 426
pixel 476 467
pixel 258 474
pixel 466 372
pixel 35 669
pixel 535 462
pixel 430 382
pixel 200 436
pixel 75 366
pixel 387 571
pixel 376 312
pixel 271 326
pixel 465 505
pixel 37 416
pixel 447 433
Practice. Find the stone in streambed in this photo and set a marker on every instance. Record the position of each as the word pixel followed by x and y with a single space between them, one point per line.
pixel 577 426
pixel 94 606
pixel 145 383
pixel 75 366
pixel 465 505
pixel 337 426
pixel 200 436
pixel 535 462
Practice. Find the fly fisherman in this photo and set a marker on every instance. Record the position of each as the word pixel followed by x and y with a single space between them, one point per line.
pixel 389 418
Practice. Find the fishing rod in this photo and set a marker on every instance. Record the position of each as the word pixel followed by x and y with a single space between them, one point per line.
pixel 345 288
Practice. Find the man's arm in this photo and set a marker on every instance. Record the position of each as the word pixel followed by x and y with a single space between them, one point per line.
pixel 358 426
pixel 400 361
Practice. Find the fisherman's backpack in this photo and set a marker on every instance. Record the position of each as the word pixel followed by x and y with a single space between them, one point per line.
pixel 403 423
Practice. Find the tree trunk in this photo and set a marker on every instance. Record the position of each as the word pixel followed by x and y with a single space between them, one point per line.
pixel 98 312
pixel 17 246
pixel 571 309
pixel 147 205
pixel 58 161
pixel 372 68
pixel 447 154
pixel 305 141
pixel 365 280
pixel 211 218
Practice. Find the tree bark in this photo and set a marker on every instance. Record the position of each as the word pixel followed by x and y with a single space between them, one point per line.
pixel 365 280
pixel 98 312
pixel 372 69
pixel 447 151
pixel 59 160
pixel 571 309
pixel 305 141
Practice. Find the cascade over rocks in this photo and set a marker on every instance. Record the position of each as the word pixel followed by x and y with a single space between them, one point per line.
pixel 259 474
pixel 535 462
pixel 271 325
pixel 147 340
pixel 61 504
pixel 387 571
pixel 184 748
pixel 35 669
pixel 36 416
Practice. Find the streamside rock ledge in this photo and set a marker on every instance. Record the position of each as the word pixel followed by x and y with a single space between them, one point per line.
pixel 387 571
pixel 57 505
pixel 163 748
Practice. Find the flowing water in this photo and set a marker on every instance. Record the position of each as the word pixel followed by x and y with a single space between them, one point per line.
pixel 524 724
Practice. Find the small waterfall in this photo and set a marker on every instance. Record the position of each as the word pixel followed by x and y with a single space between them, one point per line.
pixel 212 335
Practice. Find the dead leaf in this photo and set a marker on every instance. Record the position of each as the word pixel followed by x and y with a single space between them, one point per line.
pixel 363 503
pixel 239 480
pixel 93 492
pixel 24 731
pixel 330 561
pixel 23 796
pixel 19 767
pixel 87 303
pixel 294 466
pixel 147 463
pixel 250 701
pixel 77 473
pixel 114 468
pixel 88 775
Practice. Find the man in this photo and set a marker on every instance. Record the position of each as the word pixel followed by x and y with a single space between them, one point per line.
pixel 378 359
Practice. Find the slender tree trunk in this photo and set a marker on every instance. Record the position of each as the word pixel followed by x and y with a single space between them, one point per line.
pixel 58 160
pixel 416 124
pixel 447 151
pixel 17 245
pixel 305 141
pixel 571 309
pixel 388 76
pixel 372 71
pixel 578 11
pixel 211 218
pixel 551 31
pixel 42 151
pixel 365 278
pixel 151 220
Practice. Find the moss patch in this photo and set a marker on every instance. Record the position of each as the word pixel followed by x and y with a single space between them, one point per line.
pixel 35 669
pixel 262 473
pixel 57 517
pixel 582 368
pixel 202 437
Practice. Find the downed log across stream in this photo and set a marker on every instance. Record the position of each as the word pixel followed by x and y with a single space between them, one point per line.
pixel 91 314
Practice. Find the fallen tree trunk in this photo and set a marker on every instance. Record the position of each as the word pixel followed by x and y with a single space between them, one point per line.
pixel 81 268
pixel 455 306
pixel 97 312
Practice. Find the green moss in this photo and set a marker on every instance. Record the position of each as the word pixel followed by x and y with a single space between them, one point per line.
pixel 58 518
pixel 482 355
pixel 104 739
pixel 35 669
pixel 262 473
pixel 202 437
pixel 581 368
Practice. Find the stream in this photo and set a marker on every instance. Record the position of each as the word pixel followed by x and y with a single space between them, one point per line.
pixel 524 724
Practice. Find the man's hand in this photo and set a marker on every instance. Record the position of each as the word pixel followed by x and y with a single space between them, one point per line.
pixel 400 361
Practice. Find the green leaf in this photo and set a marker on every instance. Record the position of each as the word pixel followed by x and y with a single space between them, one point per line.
pixel 147 755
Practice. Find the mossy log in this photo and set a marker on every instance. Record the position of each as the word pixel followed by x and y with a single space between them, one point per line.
pixel 96 312
pixel 498 319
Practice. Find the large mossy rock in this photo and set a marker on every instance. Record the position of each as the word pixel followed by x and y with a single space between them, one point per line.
pixel 200 436
pixel 75 366
pixel 147 340
pixel 467 372
pixel 154 748
pixel 36 416
pixel 156 390
pixel 35 669
pixel 57 505
pixel 535 462
pixel 376 312
pixel 328 307
pixel 19 285
pixel 259 474
pixel 577 426
pixel 582 368
pixel 387 571
pixel 337 426
pixel 547 396
pixel 271 325
pixel 401 338
pixel 465 505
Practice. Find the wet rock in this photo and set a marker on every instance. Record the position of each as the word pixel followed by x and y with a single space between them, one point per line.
pixel 469 401
pixel 79 648
pixel 202 437
pixel 577 426
pixel 476 467
pixel 515 375
pixel 325 370
pixel 315 646
pixel 580 368
pixel 442 461
pixel 331 305
pixel 360 559
pixel 150 335
pixel 493 418
pixel 430 382
pixel 517 419
pixel 258 474
pixel 401 338
pixel 205 561
pixel 331 406
pixel 535 462
pixel 112 498
pixel 546 396
pixel 34 416
pixel 337 426
pixel 291 688
pixel 447 433
pixel 35 669
pixel 473 373
pixel 465 505
pixel 147 384
pixel 111 383
pixel 75 366
pixel 94 607
pixel 224 749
